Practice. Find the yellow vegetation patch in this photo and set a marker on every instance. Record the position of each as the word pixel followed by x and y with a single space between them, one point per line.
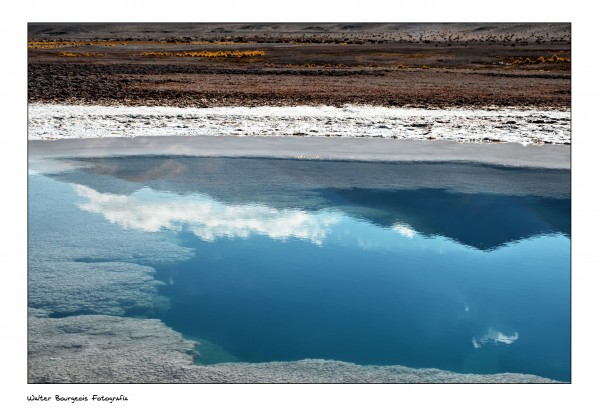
pixel 63 44
pixel 66 54
pixel 540 60
pixel 206 54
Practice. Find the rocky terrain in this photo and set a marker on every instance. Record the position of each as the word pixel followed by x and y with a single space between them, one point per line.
pixel 208 65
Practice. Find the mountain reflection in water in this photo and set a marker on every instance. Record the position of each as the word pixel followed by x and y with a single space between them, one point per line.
pixel 476 205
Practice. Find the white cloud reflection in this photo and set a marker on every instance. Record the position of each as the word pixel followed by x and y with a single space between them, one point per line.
pixel 152 211
pixel 404 230
pixel 494 336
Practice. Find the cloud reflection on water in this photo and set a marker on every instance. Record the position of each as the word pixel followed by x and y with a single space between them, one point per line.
pixel 495 336
pixel 404 230
pixel 208 219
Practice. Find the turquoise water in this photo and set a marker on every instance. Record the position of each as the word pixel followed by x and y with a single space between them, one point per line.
pixel 461 267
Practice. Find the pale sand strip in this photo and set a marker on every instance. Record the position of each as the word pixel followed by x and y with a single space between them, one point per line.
pixel 323 148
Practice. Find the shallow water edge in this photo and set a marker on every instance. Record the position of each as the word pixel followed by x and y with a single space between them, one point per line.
pixel 317 148
pixel 133 350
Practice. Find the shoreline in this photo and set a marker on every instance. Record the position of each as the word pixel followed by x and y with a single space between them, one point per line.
pixel 52 361
pixel 308 148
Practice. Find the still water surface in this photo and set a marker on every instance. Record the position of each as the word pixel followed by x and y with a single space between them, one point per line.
pixel 460 267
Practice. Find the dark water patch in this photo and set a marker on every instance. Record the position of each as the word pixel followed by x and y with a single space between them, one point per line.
pixel 263 300
pixel 483 221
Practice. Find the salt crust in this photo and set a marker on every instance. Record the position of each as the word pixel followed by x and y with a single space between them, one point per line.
pixel 525 126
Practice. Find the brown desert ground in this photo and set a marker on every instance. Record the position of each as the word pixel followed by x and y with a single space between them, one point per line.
pixel 209 65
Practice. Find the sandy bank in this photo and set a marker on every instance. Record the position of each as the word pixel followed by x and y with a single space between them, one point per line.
pixel 322 148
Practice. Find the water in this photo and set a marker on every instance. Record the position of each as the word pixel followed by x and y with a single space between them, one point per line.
pixel 460 267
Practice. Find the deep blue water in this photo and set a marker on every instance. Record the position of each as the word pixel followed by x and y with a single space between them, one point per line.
pixel 460 267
